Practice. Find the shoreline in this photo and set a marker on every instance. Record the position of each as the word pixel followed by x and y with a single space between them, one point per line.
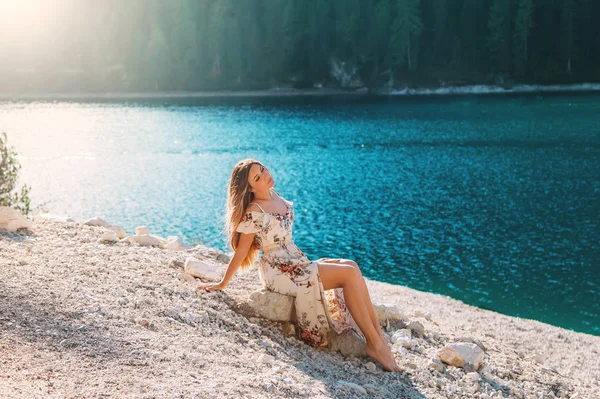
pixel 317 92
pixel 84 318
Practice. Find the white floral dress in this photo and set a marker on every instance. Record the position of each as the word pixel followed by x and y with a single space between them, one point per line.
pixel 284 268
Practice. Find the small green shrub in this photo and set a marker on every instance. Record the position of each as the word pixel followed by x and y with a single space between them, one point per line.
pixel 9 174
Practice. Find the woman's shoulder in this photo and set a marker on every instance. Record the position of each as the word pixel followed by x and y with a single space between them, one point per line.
pixel 253 208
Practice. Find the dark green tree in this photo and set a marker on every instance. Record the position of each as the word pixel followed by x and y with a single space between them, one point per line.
pixel 566 28
pixel 523 25
pixel 499 40
pixel 404 32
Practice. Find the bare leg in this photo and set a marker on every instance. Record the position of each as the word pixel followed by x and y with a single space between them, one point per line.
pixel 366 296
pixel 347 277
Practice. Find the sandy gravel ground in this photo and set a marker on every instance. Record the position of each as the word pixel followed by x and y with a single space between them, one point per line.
pixel 81 319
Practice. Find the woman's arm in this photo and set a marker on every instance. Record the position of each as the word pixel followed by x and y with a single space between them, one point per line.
pixel 234 264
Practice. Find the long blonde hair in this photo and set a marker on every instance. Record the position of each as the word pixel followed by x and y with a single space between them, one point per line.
pixel 239 196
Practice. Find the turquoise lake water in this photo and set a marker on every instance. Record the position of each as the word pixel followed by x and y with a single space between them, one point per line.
pixel 493 200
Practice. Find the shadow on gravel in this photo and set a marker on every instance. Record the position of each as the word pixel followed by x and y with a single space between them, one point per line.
pixel 386 384
pixel 45 324
pixel 20 235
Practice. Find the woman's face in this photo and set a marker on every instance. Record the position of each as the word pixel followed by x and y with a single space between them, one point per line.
pixel 259 178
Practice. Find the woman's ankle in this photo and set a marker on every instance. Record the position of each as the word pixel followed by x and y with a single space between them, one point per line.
pixel 376 344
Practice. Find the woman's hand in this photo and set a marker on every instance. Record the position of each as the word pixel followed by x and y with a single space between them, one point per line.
pixel 212 287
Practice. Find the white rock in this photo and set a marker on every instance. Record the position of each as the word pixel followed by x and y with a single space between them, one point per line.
pixel 141 230
pixel 402 338
pixel 145 240
pixel 538 359
pixel 435 364
pixel 12 220
pixel 97 222
pixel 187 277
pixel 119 230
pixel 110 236
pixel 197 268
pixel 471 340
pixel 472 377
pixel 264 358
pixel 459 354
pixel 416 327
pixel 174 245
pixel 341 384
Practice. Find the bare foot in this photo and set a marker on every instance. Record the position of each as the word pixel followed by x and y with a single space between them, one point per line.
pixel 384 340
pixel 383 355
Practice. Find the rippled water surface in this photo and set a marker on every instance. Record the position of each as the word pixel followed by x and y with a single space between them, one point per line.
pixel 491 200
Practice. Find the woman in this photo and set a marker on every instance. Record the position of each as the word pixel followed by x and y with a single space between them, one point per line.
pixel 329 292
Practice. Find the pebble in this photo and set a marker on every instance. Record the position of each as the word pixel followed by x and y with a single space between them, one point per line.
pixel 352 385
pixel 371 366
pixel 411 365
pixel 264 358
pixel 223 258
pixel 435 364
pixel 472 377
pixel 416 327
pixel 538 359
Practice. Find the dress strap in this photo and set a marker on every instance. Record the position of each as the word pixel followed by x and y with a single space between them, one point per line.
pixel 257 206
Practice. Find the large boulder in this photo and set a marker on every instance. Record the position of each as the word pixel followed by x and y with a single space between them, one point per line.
pixel 278 307
pixel 347 343
pixel 272 305
pixel 12 220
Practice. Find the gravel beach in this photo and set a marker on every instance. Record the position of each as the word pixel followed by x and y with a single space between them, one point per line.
pixel 80 318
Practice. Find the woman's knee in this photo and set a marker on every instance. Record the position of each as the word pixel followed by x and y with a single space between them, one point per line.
pixel 336 275
pixel 350 262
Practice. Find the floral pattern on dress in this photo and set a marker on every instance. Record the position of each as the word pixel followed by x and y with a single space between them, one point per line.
pixel 284 268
